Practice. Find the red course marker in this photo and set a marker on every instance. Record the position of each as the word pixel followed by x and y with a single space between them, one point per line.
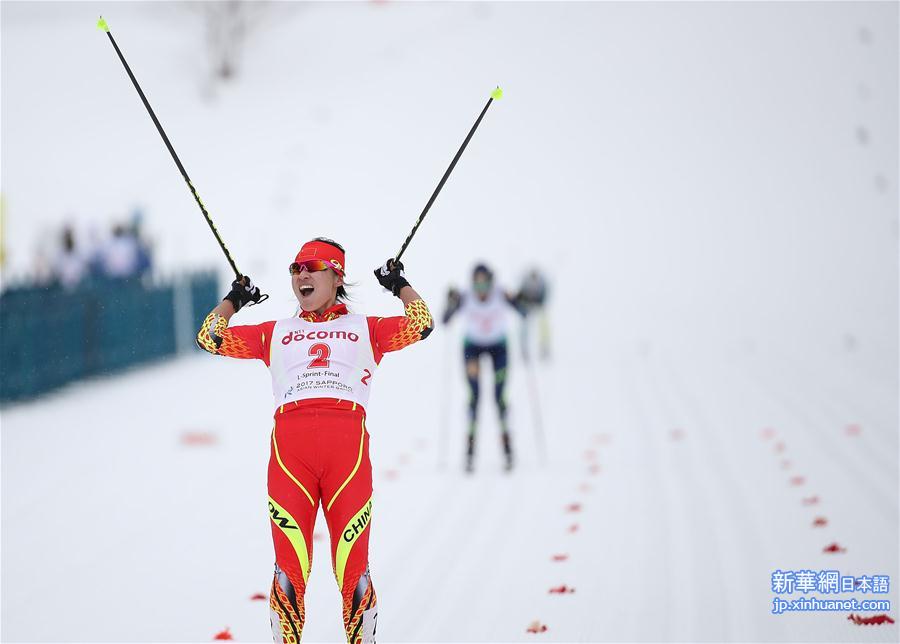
pixel 198 439
pixel 573 528
pixel 560 557
pixel 834 548
pixel 573 507
pixel 536 627
pixel 561 590
pixel 811 500
pixel 779 446
pixel 797 481
pixel 767 433
pixel 820 522
pixel 853 429
pixel 223 635
pixel 258 597
pixel 859 620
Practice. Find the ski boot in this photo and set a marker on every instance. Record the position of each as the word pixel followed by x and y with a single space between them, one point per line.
pixel 507 452
pixel 470 451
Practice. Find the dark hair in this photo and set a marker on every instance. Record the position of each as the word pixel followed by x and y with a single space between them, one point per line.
pixel 483 270
pixel 342 295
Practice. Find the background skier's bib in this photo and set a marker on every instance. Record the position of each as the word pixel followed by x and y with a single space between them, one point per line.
pixel 485 321
pixel 321 360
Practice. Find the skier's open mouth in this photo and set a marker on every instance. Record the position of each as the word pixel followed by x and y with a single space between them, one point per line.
pixel 306 290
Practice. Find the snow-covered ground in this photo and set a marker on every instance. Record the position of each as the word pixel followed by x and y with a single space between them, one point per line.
pixel 712 188
pixel 115 530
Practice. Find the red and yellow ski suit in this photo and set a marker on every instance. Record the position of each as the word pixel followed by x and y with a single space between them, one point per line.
pixel 319 455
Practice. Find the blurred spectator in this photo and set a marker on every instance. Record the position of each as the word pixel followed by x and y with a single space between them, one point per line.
pixel 94 251
pixel 145 260
pixel 67 258
pixel 70 265
pixel 120 255
pixel 126 254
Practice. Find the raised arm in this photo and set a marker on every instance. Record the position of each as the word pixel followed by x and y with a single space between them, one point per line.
pixel 251 341
pixel 395 333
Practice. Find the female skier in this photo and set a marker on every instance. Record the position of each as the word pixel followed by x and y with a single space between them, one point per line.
pixel 484 309
pixel 322 362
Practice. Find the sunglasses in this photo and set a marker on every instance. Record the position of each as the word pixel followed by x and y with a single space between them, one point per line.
pixel 311 266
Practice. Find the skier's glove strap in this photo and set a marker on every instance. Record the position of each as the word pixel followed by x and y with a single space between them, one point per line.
pixel 242 292
pixel 391 276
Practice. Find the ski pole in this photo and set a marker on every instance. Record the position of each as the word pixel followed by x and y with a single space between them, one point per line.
pixel 497 94
pixel 101 24
pixel 443 429
pixel 536 412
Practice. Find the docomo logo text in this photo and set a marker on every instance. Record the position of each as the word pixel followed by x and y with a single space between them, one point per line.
pixel 297 336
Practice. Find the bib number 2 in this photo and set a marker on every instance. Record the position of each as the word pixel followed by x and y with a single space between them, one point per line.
pixel 321 353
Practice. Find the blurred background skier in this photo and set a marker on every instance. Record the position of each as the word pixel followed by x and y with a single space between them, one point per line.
pixel 484 309
pixel 531 300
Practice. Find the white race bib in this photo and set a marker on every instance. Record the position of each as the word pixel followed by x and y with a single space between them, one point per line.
pixel 322 360
pixel 485 321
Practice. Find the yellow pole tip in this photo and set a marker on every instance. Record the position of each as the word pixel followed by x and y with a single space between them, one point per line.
pixel 101 24
pixel 497 94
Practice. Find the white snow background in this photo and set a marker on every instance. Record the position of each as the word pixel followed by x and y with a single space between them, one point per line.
pixel 712 188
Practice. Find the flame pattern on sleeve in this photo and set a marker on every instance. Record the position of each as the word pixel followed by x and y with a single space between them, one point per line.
pixel 416 326
pixel 216 338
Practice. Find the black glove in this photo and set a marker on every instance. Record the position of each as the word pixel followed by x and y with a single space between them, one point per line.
pixel 242 292
pixel 391 276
